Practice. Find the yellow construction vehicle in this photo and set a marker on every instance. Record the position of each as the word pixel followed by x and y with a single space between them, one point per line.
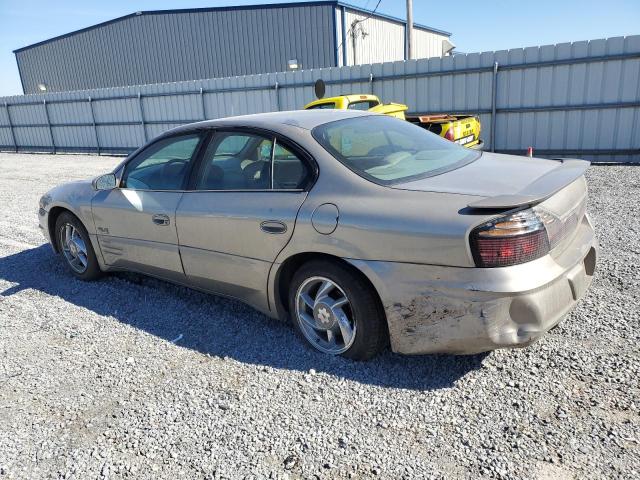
pixel 359 102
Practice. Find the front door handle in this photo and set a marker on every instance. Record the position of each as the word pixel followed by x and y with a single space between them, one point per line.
pixel 160 219
pixel 273 226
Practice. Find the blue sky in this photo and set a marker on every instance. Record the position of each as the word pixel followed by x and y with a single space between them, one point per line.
pixel 476 25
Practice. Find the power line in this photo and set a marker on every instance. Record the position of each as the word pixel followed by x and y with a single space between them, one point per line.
pixel 370 14
pixel 356 22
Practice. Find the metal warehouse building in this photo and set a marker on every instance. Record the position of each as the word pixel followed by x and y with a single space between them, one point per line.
pixel 174 45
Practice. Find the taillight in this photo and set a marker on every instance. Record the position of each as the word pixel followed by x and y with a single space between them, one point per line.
pixel 509 240
pixel 449 135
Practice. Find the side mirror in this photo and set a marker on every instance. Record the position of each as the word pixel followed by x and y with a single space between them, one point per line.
pixel 105 182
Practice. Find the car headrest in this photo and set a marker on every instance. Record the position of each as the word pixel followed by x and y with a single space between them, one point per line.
pixel 214 179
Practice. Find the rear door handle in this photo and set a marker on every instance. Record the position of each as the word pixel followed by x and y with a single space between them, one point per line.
pixel 273 226
pixel 160 219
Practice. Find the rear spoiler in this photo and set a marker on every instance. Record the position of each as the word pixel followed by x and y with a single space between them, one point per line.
pixel 539 190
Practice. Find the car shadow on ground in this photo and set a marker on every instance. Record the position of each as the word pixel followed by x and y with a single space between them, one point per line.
pixel 219 326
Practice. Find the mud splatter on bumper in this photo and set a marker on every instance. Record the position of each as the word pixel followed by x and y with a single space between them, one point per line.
pixel 435 309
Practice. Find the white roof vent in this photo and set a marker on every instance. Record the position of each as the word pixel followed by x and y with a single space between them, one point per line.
pixel 447 47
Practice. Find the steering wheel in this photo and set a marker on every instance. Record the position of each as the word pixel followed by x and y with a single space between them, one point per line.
pixel 168 165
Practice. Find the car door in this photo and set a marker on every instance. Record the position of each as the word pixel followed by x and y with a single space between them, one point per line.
pixel 136 223
pixel 247 191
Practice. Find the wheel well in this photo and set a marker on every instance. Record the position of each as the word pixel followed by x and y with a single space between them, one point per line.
pixel 54 213
pixel 291 266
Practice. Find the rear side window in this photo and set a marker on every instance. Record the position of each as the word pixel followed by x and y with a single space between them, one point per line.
pixel 236 161
pixel 232 144
pixel 246 161
pixel 289 172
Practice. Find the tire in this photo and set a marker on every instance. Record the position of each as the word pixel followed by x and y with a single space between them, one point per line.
pixel 319 318
pixel 77 254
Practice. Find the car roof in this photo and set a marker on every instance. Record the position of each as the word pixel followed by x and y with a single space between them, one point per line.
pixel 306 119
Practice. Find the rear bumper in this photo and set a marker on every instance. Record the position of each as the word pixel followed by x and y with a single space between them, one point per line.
pixel 433 309
pixel 477 146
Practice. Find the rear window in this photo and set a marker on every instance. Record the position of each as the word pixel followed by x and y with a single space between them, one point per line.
pixel 362 105
pixel 322 106
pixel 387 150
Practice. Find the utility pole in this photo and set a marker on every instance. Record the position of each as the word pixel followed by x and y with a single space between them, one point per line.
pixel 409 38
pixel 354 39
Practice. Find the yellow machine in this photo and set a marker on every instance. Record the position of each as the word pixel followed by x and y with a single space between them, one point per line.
pixel 359 102
pixel 460 128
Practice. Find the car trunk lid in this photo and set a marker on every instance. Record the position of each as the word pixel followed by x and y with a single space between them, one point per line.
pixel 504 182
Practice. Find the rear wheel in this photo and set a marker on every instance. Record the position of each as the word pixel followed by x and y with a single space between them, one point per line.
pixel 336 311
pixel 75 246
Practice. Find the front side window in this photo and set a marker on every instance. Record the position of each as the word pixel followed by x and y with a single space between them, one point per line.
pixel 244 161
pixel 163 165
pixel 388 150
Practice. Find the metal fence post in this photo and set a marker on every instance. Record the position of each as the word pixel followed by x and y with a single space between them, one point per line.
pixel 95 127
pixel 142 122
pixel 371 83
pixel 204 111
pixel 46 112
pixel 13 136
pixel 494 90
pixel 277 89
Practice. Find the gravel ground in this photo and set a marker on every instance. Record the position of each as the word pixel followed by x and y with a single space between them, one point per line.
pixel 131 377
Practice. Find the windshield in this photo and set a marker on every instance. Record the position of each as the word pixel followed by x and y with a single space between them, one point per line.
pixel 388 150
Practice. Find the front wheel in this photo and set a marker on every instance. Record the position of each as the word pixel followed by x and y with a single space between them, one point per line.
pixel 75 246
pixel 336 311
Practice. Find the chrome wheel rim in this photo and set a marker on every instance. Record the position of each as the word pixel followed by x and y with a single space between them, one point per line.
pixel 325 316
pixel 74 248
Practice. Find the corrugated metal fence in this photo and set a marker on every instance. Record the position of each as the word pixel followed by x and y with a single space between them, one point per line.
pixel 578 99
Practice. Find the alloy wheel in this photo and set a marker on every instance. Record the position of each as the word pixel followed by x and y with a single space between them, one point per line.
pixel 325 316
pixel 74 248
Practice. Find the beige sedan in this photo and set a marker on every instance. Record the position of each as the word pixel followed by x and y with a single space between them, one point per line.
pixel 361 229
